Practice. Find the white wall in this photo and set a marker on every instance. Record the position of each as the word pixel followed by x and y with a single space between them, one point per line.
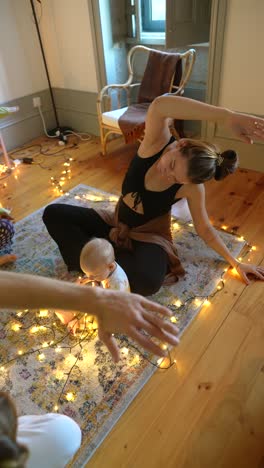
pixel 242 82
pixel 66 33
pixel 21 67
pixel 67 38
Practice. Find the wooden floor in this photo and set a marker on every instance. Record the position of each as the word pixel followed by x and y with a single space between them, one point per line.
pixel 208 410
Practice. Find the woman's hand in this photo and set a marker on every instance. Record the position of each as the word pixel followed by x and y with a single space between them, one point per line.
pixel 130 314
pixel 246 127
pixel 244 269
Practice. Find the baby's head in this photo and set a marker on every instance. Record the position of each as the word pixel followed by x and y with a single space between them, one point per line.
pixel 97 259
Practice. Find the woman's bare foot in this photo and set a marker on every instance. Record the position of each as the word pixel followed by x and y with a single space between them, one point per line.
pixel 8 258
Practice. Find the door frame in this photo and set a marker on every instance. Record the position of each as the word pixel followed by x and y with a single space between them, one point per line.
pixel 216 45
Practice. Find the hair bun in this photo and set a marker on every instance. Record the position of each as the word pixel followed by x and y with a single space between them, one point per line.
pixel 228 165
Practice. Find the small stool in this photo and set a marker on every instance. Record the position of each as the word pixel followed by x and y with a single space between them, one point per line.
pixel 4 112
pixel 4 151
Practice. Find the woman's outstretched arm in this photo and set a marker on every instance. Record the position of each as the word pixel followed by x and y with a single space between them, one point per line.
pixel 205 230
pixel 117 312
pixel 245 127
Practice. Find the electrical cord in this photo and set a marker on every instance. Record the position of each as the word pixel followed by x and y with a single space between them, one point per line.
pixel 44 124
pixel 79 135
pixel 66 132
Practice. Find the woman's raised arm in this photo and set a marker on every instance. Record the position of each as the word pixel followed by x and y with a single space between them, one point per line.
pixel 245 127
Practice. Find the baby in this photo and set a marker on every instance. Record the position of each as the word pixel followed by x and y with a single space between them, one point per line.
pixel 97 261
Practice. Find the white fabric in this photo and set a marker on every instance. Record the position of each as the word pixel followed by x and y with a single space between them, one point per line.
pixel 118 280
pixel 52 439
pixel 111 117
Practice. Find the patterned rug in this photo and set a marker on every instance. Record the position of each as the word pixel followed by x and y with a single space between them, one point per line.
pixel 45 369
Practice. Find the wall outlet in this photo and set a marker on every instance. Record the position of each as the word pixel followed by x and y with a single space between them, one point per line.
pixel 36 101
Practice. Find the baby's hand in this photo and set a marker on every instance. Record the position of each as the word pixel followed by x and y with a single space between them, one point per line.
pixel 65 316
pixel 85 323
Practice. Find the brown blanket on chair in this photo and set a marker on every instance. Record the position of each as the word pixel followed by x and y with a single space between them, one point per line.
pixel 156 81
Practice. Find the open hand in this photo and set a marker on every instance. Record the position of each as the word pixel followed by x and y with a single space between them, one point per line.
pixel 130 314
pixel 244 269
pixel 246 127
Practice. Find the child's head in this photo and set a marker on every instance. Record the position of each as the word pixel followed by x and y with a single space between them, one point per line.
pixel 97 259
pixel 12 454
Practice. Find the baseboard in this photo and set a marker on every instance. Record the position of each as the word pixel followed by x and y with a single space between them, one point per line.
pixel 25 125
pixel 77 109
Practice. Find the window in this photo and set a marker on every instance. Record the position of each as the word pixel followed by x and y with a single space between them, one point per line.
pixel 153 15
pixel 146 20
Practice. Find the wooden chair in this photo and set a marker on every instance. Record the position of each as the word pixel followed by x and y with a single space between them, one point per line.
pixel 114 99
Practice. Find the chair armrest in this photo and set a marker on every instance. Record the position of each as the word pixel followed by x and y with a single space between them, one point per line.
pixel 105 96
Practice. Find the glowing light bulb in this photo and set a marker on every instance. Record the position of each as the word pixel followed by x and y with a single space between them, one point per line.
pixel 197 302
pixel 2 368
pixel 41 357
pixel 34 329
pixel 241 238
pixel 207 302
pixel 56 408
pixel 219 287
pixel 125 350
pixel 254 247
pixel 224 227
pixel 164 346
pixel 190 224
pixel 173 320
pixel 45 344
pixel 159 361
pixel 175 226
pixel 58 349
pixel 20 352
pixel 43 313
pixel 16 327
pixel 70 396
pixel 178 303
pixel 19 314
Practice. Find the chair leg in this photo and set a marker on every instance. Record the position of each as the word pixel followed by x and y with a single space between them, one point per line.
pixel 2 146
pixel 103 140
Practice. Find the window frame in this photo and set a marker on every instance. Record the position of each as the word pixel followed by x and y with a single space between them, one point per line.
pixel 136 35
pixel 149 25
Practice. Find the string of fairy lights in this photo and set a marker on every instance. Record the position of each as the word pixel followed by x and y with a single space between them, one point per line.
pixel 38 322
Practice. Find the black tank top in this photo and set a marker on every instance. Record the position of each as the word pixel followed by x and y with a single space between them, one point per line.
pixel 154 203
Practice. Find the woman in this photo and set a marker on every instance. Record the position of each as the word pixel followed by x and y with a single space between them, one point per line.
pixel 163 171
pixel 116 311
pixel 49 440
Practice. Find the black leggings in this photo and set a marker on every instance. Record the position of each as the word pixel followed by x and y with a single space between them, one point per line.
pixel 71 227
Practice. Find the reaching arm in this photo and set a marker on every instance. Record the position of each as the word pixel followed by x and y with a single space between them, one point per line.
pixel 245 127
pixel 117 312
pixel 205 230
